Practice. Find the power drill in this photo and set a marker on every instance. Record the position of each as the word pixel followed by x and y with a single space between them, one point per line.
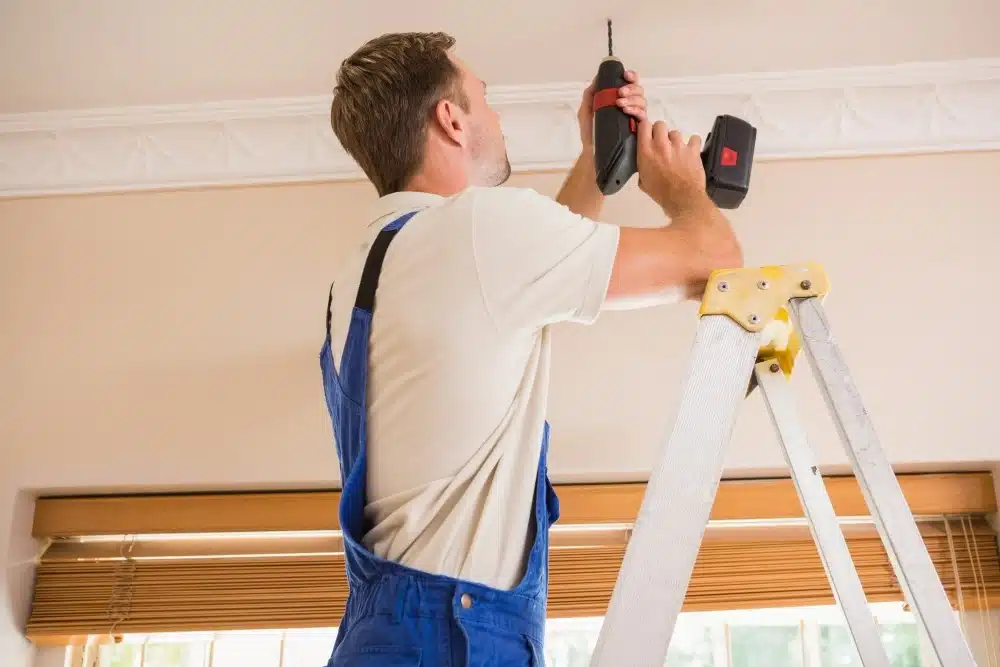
pixel 727 154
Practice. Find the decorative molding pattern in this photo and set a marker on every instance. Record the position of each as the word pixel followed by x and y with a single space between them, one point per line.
pixel 908 108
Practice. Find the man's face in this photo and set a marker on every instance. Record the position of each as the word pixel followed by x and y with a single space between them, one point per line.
pixel 487 151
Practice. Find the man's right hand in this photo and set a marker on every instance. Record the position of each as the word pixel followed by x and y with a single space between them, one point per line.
pixel 677 258
pixel 670 169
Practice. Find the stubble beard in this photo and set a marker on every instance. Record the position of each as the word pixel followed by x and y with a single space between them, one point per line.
pixel 491 161
pixel 501 171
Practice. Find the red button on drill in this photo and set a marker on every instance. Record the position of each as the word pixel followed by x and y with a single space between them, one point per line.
pixel 729 157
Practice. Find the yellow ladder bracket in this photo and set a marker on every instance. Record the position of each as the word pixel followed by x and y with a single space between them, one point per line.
pixel 757 299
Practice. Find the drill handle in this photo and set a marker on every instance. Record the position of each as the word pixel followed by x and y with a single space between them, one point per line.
pixel 615 141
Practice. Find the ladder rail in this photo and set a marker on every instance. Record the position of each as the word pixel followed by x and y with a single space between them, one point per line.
pixel 740 310
pixel 676 507
pixel 820 515
pixel 900 534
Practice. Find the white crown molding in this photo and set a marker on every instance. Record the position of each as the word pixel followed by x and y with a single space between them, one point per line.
pixel 899 109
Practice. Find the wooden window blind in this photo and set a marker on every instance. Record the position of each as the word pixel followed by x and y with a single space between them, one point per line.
pixel 176 563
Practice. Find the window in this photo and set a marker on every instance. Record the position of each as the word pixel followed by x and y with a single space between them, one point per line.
pixel 141 567
pixel 254 648
pixel 789 637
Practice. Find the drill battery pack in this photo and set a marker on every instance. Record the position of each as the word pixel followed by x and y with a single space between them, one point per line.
pixel 728 158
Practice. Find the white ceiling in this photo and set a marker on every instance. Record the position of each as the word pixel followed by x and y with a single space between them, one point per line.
pixel 101 53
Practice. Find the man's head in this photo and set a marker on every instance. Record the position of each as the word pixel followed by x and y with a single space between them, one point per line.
pixel 413 115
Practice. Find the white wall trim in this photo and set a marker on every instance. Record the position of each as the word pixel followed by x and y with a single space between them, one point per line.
pixel 899 109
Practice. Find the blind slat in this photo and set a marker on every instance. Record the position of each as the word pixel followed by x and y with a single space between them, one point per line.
pixel 935 494
pixel 74 593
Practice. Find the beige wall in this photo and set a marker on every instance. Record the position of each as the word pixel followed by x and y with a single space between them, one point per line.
pixel 169 340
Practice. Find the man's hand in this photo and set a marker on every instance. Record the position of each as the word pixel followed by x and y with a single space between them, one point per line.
pixel 670 169
pixel 631 100
pixel 680 257
pixel 579 192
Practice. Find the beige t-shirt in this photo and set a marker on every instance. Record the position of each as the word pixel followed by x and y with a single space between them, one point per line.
pixel 459 369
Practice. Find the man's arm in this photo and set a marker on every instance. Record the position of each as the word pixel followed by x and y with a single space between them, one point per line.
pixel 659 265
pixel 579 192
pixel 698 240
pixel 679 257
pixel 539 263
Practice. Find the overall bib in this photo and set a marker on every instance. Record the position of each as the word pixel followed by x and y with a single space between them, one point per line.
pixel 396 615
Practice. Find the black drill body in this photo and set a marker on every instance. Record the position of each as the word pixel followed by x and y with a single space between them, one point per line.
pixel 614 130
pixel 727 155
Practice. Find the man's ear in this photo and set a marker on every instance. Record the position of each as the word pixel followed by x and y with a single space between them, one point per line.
pixel 450 120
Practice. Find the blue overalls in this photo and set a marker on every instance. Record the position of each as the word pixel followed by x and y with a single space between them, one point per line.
pixel 396 615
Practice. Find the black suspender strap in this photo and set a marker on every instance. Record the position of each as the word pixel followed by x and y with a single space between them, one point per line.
pixel 329 308
pixel 373 269
pixel 365 299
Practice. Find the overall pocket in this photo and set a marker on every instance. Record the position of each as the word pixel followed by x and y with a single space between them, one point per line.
pixel 536 652
pixel 369 656
pixel 489 647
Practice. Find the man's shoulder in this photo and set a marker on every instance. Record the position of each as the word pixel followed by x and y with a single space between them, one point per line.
pixel 472 204
pixel 513 210
pixel 503 195
pixel 473 207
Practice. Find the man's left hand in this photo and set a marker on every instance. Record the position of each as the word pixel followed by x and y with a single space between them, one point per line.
pixel 631 100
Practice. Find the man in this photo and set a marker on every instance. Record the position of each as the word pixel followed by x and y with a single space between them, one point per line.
pixel 438 388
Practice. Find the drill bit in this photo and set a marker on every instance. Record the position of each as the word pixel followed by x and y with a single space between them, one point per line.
pixel 610 51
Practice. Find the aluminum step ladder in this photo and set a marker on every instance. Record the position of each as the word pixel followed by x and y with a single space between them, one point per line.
pixel 752 324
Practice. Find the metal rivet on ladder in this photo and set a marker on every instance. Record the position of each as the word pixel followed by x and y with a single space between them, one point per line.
pixel 763 284
pixel 723 286
pixel 774 368
pixel 806 284
pixel 753 319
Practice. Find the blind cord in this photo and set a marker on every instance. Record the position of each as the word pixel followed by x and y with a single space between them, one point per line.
pixel 958 578
pixel 120 600
pixel 977 569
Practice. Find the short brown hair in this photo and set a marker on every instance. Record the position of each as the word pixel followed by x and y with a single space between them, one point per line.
pixel 381 103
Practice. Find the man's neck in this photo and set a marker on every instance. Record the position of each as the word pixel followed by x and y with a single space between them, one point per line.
pixel 439 175
pixel 437 186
